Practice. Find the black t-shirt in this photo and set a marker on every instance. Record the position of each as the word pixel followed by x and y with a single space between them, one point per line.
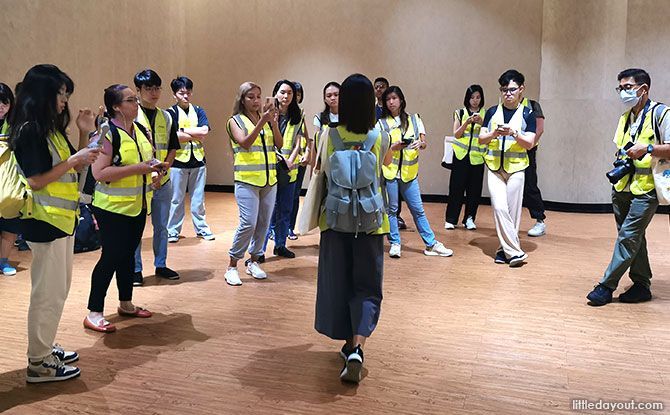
pixel 33 156
pixel 536 108
pixel 173 140
pixel 202 121
pixel 528 116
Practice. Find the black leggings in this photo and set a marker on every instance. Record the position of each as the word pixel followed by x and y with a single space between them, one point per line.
pixel 465 179
pixel 120 235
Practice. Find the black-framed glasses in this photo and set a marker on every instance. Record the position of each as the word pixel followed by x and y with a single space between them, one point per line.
pixel 625 87
pixel 511 90
pixel 153 88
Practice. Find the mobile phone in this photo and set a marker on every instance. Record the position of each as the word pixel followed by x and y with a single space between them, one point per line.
pixel 154 162
pixel 406 141
pixel 276 102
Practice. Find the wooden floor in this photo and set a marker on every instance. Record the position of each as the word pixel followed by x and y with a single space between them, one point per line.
pixel 457 335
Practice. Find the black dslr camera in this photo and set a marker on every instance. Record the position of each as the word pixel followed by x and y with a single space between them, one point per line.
pixel 622 167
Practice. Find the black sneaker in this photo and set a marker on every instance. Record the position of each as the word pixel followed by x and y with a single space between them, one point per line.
pixel 64 356
pixel 401 224
pixel 260 260
pixel 518 260
pixel 353 366
pixel 600 295
pixel 167 273
pixel 21 244
pixel 138 279
pixel 637 293
pixel 283 251
pixel 345 351
pixel 501 258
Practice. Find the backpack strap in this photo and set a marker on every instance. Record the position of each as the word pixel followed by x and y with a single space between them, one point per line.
pixel 416 126
pixel 385 125
pixel 335 138
pixel 659 113
pixel 116 144
pixel 371 139
pixel 168 121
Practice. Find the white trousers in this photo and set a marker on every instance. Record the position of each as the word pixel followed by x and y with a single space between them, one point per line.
pixel 506 198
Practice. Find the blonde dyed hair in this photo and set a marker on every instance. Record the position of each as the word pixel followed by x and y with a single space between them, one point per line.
pixel 238 105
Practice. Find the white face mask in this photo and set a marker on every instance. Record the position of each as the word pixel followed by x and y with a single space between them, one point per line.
pixel 629 98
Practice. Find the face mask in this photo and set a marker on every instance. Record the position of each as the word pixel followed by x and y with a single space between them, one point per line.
pixel 629 98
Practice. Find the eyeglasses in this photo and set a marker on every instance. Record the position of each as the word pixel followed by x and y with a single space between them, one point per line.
pixel 153 88
pixel 511 90
pixel 625 87
pixel 132 100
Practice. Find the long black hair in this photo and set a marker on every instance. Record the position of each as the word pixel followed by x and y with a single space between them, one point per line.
pixel 7 97
pixel 36 101
pixel 323 116
pixel 293 112
pixel 394 89
pixel 357 104
pixel 468 94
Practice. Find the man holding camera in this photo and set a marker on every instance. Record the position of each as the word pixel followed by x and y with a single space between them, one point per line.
pixel 634 201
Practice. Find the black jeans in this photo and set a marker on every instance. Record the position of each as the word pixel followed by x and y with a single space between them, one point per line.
pixel 120 235
pixel 465 179
pixel 532 198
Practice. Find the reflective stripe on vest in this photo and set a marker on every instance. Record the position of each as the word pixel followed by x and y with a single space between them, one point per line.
pixel 288 145
pixel 642 180
pixel 505 148
pixel 4 131
pixel 128 195
pixel 409 165
pixel 256 165
pixel 56 203
pixel 160 134
pixel 189 120
pixel 468 144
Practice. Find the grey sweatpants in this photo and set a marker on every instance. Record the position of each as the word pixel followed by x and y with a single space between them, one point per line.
pixel 255 205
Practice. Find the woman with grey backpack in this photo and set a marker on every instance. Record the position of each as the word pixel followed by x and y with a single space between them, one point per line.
pixel 353 223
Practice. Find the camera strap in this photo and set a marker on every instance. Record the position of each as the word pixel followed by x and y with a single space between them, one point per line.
pixel 634 135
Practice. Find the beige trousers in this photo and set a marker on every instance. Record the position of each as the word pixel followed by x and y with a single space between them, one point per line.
pixel 506 199
pixel 50 275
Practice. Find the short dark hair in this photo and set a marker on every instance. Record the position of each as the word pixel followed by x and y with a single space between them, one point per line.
pixel 357 104
pixel 147 77
pixel 640 75
pixel 470 91
pixel 113 96
pixel 511 75
pixel 181 82
pixel 381 79
pixel 6 95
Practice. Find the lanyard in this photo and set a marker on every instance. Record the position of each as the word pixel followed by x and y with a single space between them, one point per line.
pixel 633 135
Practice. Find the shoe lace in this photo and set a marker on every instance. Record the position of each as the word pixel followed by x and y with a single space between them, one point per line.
pixel 53 362
pixel 57 348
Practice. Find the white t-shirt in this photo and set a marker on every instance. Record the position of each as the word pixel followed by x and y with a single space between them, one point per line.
pixel 332 117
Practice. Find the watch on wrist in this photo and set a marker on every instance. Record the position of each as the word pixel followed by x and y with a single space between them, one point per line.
pixel 650 148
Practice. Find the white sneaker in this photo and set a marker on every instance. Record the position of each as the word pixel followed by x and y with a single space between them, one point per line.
pixel 255 271
pixel 538 230
pixel 470 224
pixel 449 226
pixel 233 277
pixel 173 238
pixel 438 250
pixel 394 252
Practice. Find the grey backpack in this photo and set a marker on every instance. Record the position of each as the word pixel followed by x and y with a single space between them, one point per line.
pixel 354 202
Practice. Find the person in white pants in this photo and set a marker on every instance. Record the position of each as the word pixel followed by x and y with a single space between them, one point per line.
pixel 508 131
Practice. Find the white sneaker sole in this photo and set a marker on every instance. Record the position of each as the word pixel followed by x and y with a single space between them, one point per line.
pixel 44 379
pixel 535 235
pixel 433 253
pixel 516 262
pixel 258 277
pixel 9 273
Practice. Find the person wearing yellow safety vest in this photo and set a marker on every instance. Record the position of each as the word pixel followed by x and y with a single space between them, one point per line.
pixel 508 131
pixel 9 227
pixel 408 136
pixel 253 137
pixel 49 165
pixel 643 132
pixel 330 113
pixel 163 134
pixel 125 174
pixel 532 196
pixel 304 158
pixel 188 168
pixel 467 171
pixel 290 125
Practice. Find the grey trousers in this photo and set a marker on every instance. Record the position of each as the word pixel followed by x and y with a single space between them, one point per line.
pixel 632 214
pixel 349 284
pixel 255 205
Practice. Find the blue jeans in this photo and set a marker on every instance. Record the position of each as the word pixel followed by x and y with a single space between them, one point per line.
pixel 195 179
pixel 412 194
pixel 160 210
pixel 632 214
pixel 281 217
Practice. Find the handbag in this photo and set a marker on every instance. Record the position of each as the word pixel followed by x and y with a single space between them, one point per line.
pixel 283 178
pixel 660 168
pixel 310 211
pixel 448 157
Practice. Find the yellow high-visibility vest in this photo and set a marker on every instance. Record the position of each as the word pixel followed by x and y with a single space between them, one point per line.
pixel 160 134
pixel 256 165
pixel 188 121
pixel 409 169
pixel 504 149
pixel 468 143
